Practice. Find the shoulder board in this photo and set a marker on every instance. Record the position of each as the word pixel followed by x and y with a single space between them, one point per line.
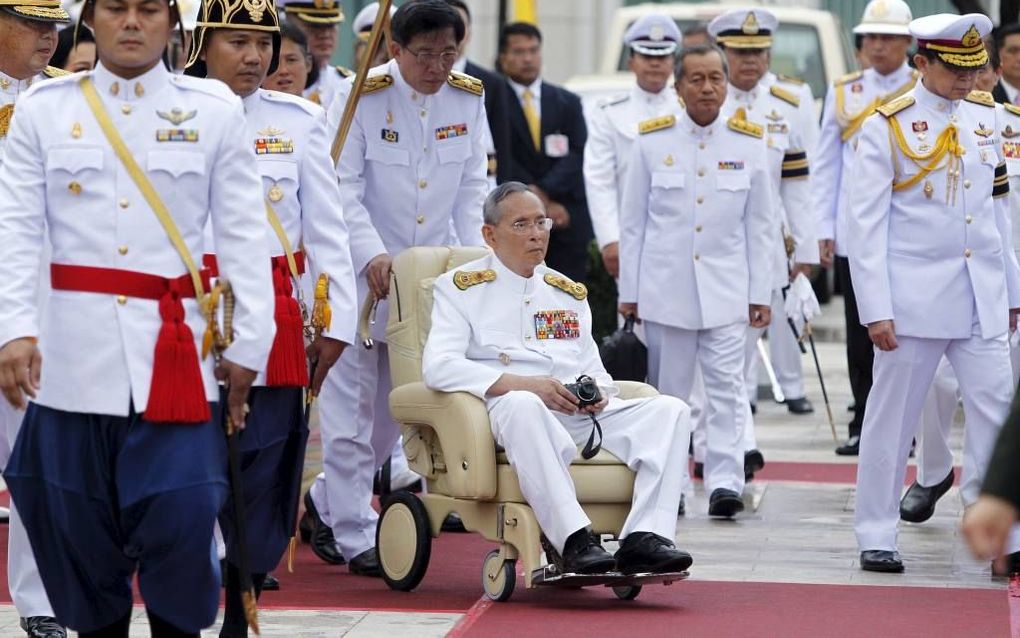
pixel 465 82
pixel 984 98
pixel 574 289
pixel 58 80
pixel 464 279
pixel 789 79
pixel 897 105
pixel 784 95
pixel 656 124
pixel 849 77
pixel 204 85
pixel 286 98
pixel 740 125
pixel 54 72
pixel 343 71
pixel 375 83
pixel 613 101
pixel 1012 108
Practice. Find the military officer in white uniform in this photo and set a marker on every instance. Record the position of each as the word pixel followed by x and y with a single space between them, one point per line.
pixel 512 332
pixel 116 380
pixel 412 173
pixel 613 126
pixel 320 20
pixel 31 29
pixel 308 236
pixel 850 101
pixel 931 250
pixel 696 226
pixel 746 37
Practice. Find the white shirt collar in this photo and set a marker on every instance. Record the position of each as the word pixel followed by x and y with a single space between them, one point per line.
pixel 525 284
pixel 928 99
pixel 697 131
pixel 460 64
pixel 745 97
pixel 422 100
pixel 535 88
pixel 893 80
pixel 1011 91
pixel 147 84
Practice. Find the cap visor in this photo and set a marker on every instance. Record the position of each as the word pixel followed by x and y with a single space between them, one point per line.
pixel 39 14
pixel 881 29
pixel 655 50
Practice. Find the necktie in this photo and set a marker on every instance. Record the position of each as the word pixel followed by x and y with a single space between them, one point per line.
pixel 531 115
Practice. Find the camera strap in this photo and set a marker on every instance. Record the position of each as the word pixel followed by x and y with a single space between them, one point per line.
pixel 591 448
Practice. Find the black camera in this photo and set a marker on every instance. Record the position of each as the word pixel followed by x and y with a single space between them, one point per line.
pixel 586 391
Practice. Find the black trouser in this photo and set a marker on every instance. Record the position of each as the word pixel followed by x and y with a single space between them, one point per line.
pixel 860 352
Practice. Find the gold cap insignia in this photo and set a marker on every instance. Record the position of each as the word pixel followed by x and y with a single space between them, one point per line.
pixel 971 38
pixel 750 25
pixel 879 10
pixel 464 279
pixel 255 9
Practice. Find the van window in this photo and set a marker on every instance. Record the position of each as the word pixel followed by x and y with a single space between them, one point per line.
pixel 796 51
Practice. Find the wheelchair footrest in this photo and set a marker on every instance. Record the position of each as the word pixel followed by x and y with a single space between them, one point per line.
pixel 549 576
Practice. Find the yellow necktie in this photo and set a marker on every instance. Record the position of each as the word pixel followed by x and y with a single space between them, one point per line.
pixel 531 115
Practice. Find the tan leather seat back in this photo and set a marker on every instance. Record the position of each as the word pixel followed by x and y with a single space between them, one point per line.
pixel 414 271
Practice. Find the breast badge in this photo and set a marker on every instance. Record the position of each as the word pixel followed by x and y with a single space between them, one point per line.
pixel 450 132
pixel 176 116
pixel 389 135
pixel 273 146
pixel 557 324
pixel 177 135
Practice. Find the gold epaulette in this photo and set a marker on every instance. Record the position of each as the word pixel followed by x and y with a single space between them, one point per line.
pixel 984 98
pixel 54 72
pixel 897 105
pixel 656 124
pixel 848 78
pixel 464 279
pixel 465 82
pixel 1012 108
pixel 572 288
pixel 740 124
pixel 784 95
pixel 375 83
pixel 343 71
pixel 789 79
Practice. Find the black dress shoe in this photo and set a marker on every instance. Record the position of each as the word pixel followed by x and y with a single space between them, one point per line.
pixel 453 523
pixel 725 503
pixel 918 504
pixel 800 406
pixel 881 560
pixel 754 461
pixel 699 470
pixel 305 527
pixel 365 564
pixel 681 509
pixel 583 554
pixel 643 552
pixel 322 540
pixel 270 583
pixel 42 627
pixel 754 408
pixel 852 447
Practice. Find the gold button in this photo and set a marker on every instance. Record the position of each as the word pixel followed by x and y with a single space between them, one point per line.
pixel 74 187
pixel 121 299
pixel 124 203
pixel 966 183
pixel 969 218
pixel 697 228
pixel 701 200
pixel 422 184
pixel 123 250
pixel 701 172
pixel 126 109
pixel 966 253
pixel 421 219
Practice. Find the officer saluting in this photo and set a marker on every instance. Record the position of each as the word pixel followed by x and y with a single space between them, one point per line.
pixel 307 232
pixel 696 226
pixel 613 126
pixel 119 463
pixel 935 272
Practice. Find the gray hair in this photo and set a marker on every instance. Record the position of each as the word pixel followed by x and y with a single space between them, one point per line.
pixel 701 49
pixel 491 213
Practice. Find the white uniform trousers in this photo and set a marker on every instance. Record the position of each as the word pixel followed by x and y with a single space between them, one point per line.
pixel 699 437
pixel 783 351
pixel 650 435
pixel 674 354
pixel 902 379
pixel 23 579
pixel 357 436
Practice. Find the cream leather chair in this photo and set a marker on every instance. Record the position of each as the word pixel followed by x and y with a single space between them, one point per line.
pixel 447 439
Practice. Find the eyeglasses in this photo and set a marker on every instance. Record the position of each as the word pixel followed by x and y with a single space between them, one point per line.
pixel 427 58
pixel 523 227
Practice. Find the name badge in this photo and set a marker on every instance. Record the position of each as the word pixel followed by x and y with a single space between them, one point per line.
pixel 557 145
pixel 557 324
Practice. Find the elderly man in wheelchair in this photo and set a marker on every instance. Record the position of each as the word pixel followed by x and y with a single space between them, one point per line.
pixel 517 334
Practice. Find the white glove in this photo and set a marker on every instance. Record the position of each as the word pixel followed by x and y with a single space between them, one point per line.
pixel 801 304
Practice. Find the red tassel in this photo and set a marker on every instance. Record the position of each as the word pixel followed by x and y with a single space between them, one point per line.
pixel 287 364
pixel 177 391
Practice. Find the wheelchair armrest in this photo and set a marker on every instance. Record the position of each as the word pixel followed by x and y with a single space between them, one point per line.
pixel 466 457
pixel 635 390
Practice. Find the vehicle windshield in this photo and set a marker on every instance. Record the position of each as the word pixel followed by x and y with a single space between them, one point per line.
pixel 796 51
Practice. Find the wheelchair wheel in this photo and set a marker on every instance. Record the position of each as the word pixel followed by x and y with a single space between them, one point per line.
pixel 403 539
pixel 627 592
pixel 498 577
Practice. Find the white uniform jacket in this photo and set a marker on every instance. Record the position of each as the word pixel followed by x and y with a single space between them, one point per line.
pixel 12 88
pixel 327 86
pixel 807 112
pixel 777 112
pixel 612 128
pixel 288 135
pixel 511 324
pixel 1008 118
pixel 697 223
pixel 59 171
pixel 917 256
pixel 849 101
